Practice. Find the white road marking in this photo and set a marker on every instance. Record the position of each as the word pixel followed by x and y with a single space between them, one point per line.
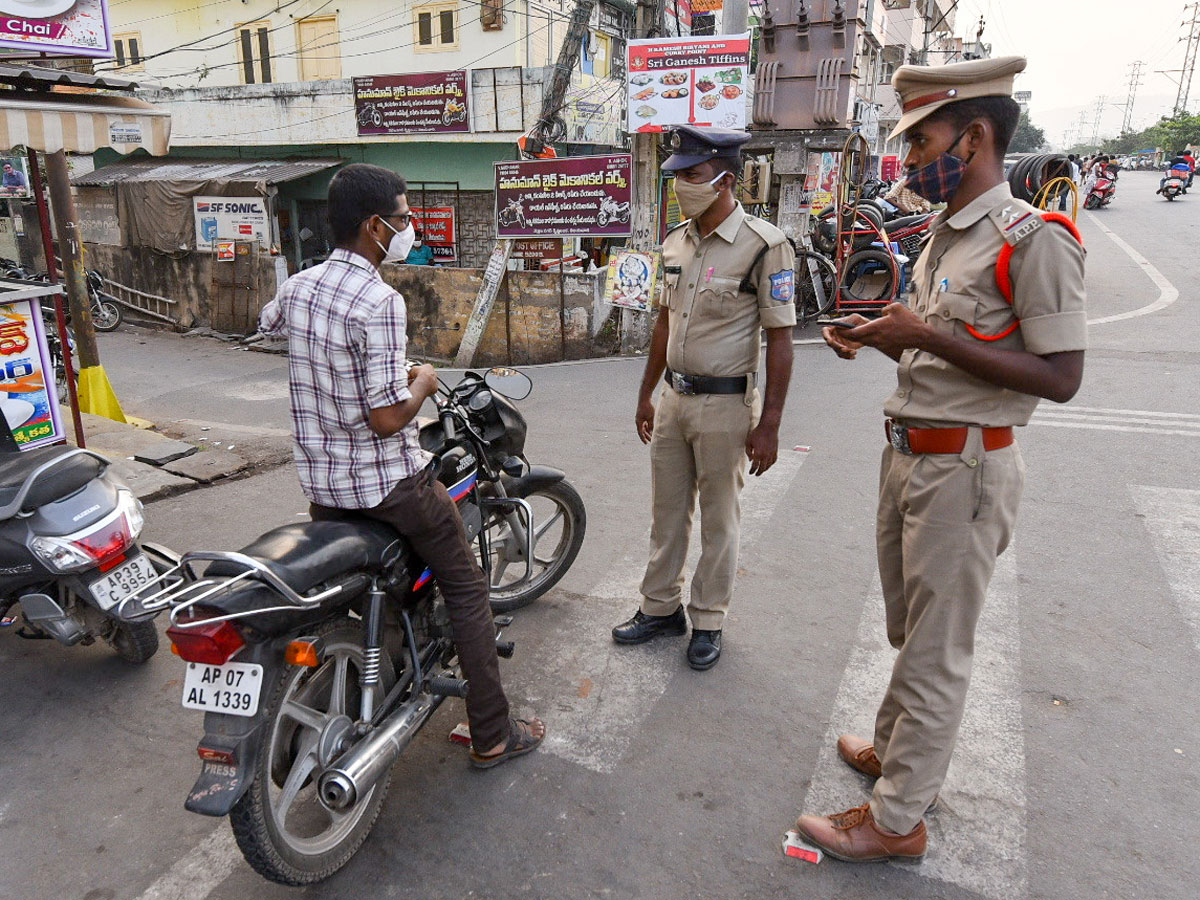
pixel 1136 421
pixel 1167 292
pixel 977 835
pixel 1173 520
pixel 194 876
pixel 607 691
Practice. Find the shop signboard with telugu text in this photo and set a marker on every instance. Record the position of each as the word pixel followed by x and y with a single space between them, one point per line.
pixel 28 394
pixel 581 196
pixel 421 103
pixel 687 81
pixel 437 223
pixel 57 27
pixel 230 219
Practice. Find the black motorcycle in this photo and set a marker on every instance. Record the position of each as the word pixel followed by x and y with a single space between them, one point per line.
pixel 320 650
pixel 70 560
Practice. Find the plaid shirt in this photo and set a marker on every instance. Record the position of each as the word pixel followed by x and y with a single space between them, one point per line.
pixel 346 346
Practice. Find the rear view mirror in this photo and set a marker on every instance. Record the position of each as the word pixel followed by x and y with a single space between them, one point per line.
pixel 511 383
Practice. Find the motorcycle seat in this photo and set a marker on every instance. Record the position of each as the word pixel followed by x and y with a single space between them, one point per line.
pixel 905 222
pixel 61 481
pixel 305 554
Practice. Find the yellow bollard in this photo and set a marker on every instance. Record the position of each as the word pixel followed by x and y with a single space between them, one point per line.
pixel 96 394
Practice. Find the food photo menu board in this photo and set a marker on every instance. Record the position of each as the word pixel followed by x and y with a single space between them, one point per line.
pixel 687 81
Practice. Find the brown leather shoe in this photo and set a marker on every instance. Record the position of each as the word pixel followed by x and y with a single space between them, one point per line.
pixel 853 836
pixel 859 754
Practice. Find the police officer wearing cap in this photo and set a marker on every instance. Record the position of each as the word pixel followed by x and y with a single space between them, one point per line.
pixel 996 323
pixel 727 276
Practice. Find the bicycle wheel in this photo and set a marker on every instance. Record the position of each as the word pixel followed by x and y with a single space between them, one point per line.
pixel 816 285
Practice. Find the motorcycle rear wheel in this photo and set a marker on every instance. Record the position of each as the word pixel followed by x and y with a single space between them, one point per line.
pixel 134 642
pixel 282 801
pixel 559 524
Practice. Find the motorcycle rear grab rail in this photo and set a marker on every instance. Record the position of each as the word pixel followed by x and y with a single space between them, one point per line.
pixel 185 589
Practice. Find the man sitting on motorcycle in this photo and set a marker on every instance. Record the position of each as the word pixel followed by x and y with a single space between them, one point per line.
pixel 1177 167
pixel 356 446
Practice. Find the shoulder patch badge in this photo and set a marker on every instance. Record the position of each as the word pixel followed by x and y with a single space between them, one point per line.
pixel 783 286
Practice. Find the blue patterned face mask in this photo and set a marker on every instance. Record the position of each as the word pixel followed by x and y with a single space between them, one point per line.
pixel 938 181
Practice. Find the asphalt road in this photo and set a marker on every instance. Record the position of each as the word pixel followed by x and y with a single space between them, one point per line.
pixel 1073 776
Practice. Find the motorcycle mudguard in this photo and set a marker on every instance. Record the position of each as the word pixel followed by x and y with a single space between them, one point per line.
pixel 537 477
pixel 221 785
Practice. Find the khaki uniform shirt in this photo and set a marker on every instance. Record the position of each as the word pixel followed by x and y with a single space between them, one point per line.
pixel 955 286
pixel 715 327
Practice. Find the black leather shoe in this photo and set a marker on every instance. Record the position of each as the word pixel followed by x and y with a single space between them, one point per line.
pixel 642 627
pixel 704 649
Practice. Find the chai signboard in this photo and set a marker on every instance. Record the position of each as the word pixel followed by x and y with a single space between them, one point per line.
pixel 421 103
pixel 60 27
pixel 579 196
pixel 687 81
pixel 28 394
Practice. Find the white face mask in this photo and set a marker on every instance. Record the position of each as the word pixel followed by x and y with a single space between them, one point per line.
pixel 694 199
pixel 400 244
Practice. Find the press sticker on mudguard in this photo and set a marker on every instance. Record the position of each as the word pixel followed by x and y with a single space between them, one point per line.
pixel 782 286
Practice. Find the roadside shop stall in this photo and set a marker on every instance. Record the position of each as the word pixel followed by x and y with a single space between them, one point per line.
pixel 55 112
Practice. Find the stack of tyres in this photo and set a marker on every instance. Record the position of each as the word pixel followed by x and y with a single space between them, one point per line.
pixel 1031 173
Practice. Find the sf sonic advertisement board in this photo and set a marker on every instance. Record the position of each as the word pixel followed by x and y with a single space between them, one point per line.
pixel 28 394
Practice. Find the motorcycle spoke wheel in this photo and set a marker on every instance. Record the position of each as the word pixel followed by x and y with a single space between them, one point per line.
pixel 281 826
pixel 559 522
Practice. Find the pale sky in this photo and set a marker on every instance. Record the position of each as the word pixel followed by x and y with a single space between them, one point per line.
pixel 1079 50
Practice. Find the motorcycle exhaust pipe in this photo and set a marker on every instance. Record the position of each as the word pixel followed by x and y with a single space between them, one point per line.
pixel 360 767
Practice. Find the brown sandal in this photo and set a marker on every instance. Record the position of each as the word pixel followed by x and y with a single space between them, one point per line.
pixel 520 741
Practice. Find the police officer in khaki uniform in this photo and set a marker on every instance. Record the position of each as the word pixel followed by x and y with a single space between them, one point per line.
pixel 727 276
pixel 997 322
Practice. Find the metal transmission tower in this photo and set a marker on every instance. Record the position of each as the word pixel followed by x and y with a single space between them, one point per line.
pixel 1135 80
pixel 1189 59
pixel 1096 120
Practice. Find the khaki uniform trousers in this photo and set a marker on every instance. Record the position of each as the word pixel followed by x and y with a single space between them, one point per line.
pixel 698 448
pixel 942 521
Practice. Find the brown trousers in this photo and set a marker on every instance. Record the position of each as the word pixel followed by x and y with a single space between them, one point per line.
pixel 421 510
pixel 943 519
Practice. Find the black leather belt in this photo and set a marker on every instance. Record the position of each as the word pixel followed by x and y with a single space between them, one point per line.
pixel 705 384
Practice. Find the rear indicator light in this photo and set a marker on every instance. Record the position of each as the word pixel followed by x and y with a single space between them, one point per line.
pixel 212 643
pixel 218 756
pixel 301 653
pixel 112 563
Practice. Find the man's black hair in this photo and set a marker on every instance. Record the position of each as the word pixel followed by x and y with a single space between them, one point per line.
pixel 723 164
pixel 1071 157
pixel 358 192
pixel 1002 112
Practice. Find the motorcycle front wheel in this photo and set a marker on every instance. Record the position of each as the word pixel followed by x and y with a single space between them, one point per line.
pixel 283 830
pixel 106 315
pixel 559 522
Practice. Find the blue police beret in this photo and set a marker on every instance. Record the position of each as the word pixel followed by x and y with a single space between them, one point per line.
pixel 690 145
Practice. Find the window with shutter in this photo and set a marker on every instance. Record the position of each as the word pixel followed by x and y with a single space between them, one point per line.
pixel 436 26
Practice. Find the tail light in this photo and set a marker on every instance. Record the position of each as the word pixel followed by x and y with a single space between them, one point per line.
pixel 101 544
pixel 212 643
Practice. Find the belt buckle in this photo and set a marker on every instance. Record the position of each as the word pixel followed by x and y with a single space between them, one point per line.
pixel 898 436
pixel 682 384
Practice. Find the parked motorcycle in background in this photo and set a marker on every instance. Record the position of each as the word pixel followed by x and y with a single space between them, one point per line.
pixel 70 560
pixel 320 650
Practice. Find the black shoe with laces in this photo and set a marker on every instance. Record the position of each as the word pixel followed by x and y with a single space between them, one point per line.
pixel 704 649
pixel 642 627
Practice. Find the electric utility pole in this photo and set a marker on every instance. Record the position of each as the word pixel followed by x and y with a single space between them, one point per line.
pixel 549 128
pixel 1135 80
pixel 635 326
